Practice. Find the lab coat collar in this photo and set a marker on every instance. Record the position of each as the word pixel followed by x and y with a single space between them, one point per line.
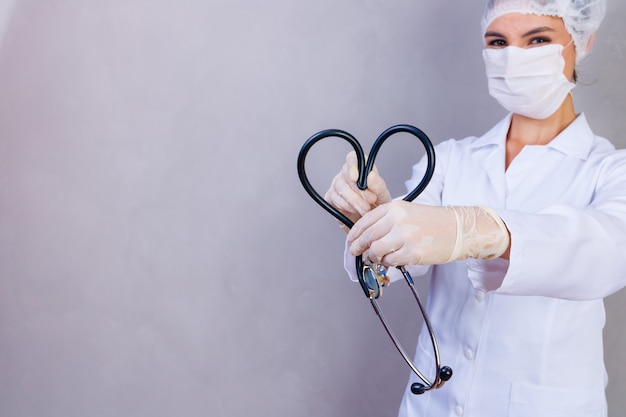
pixel 575 140
pixel 495 136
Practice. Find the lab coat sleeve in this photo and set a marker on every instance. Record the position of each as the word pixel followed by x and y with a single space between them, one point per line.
pixel 571 253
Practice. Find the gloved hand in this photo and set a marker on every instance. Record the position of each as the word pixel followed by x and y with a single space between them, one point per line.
pixel 346 196
pixel 403 233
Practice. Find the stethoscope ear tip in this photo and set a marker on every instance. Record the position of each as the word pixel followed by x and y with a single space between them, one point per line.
pixel 445 373
pixel 417 388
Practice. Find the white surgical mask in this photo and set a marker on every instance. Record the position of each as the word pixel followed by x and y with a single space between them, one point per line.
pixel 529 82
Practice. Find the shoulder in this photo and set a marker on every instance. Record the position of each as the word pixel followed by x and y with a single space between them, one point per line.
pixel 605 163
pixel 494 137
pixel 603 152
pixel 455 144
pixel 602 146
pixel 610 162
pixel 452 149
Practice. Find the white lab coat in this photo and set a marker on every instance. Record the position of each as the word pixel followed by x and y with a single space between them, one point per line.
pixel 524 338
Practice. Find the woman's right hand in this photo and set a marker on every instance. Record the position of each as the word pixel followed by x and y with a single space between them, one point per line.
pixel 345 195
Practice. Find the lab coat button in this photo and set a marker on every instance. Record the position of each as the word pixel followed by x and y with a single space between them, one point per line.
pixel 469 355
pixel 458 410
pixel 480 295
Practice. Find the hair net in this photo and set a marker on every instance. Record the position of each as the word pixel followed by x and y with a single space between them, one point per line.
pixel 582 18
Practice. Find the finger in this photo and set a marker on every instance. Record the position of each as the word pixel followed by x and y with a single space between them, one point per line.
pixel 355 197
pixel 390 259
pixel 350 172
pixel 376 191
pixel 345 199
pixel 366 222
pixel 350 188
pixel 401 256
pixel 382 249
pixel 343 226
pixel 374 227
pixel 351 167
pixel 341 205
pixel 378 187
pixel 392 252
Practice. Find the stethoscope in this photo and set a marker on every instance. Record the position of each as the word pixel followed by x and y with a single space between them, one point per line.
pixel 373 277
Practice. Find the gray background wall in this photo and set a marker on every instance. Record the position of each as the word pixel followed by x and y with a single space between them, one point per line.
pixel 158 256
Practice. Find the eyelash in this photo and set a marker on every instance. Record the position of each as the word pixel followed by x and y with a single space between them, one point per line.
pixel 501 43
pixel 497 42
pixel 540 39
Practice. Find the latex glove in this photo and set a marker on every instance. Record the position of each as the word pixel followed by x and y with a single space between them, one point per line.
pixel 403 233
pixel 345 195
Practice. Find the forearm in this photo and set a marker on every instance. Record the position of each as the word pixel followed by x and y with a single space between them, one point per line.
pixel 565 252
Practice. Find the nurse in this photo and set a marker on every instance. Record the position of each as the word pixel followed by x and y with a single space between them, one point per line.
pixel 524 228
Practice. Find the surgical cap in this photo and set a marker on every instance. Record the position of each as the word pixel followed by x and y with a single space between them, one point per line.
pixel 582 18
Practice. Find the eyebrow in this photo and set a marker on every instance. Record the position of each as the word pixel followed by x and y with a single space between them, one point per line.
pixel 529 33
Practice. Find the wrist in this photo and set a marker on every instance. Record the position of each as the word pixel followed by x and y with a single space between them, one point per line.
pixel 481 233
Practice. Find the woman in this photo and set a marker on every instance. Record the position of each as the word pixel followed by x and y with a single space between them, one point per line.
pixel 526 227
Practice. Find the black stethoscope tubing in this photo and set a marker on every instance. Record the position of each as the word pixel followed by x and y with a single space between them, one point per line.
pixel 364 168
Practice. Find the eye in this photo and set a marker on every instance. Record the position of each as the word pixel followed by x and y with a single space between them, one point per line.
pixel 496 43
pixel 540 40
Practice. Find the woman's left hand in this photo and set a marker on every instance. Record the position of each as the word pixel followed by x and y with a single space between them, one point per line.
pixel 403 233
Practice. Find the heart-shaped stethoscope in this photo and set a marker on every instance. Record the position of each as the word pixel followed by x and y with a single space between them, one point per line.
pixel 373 277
